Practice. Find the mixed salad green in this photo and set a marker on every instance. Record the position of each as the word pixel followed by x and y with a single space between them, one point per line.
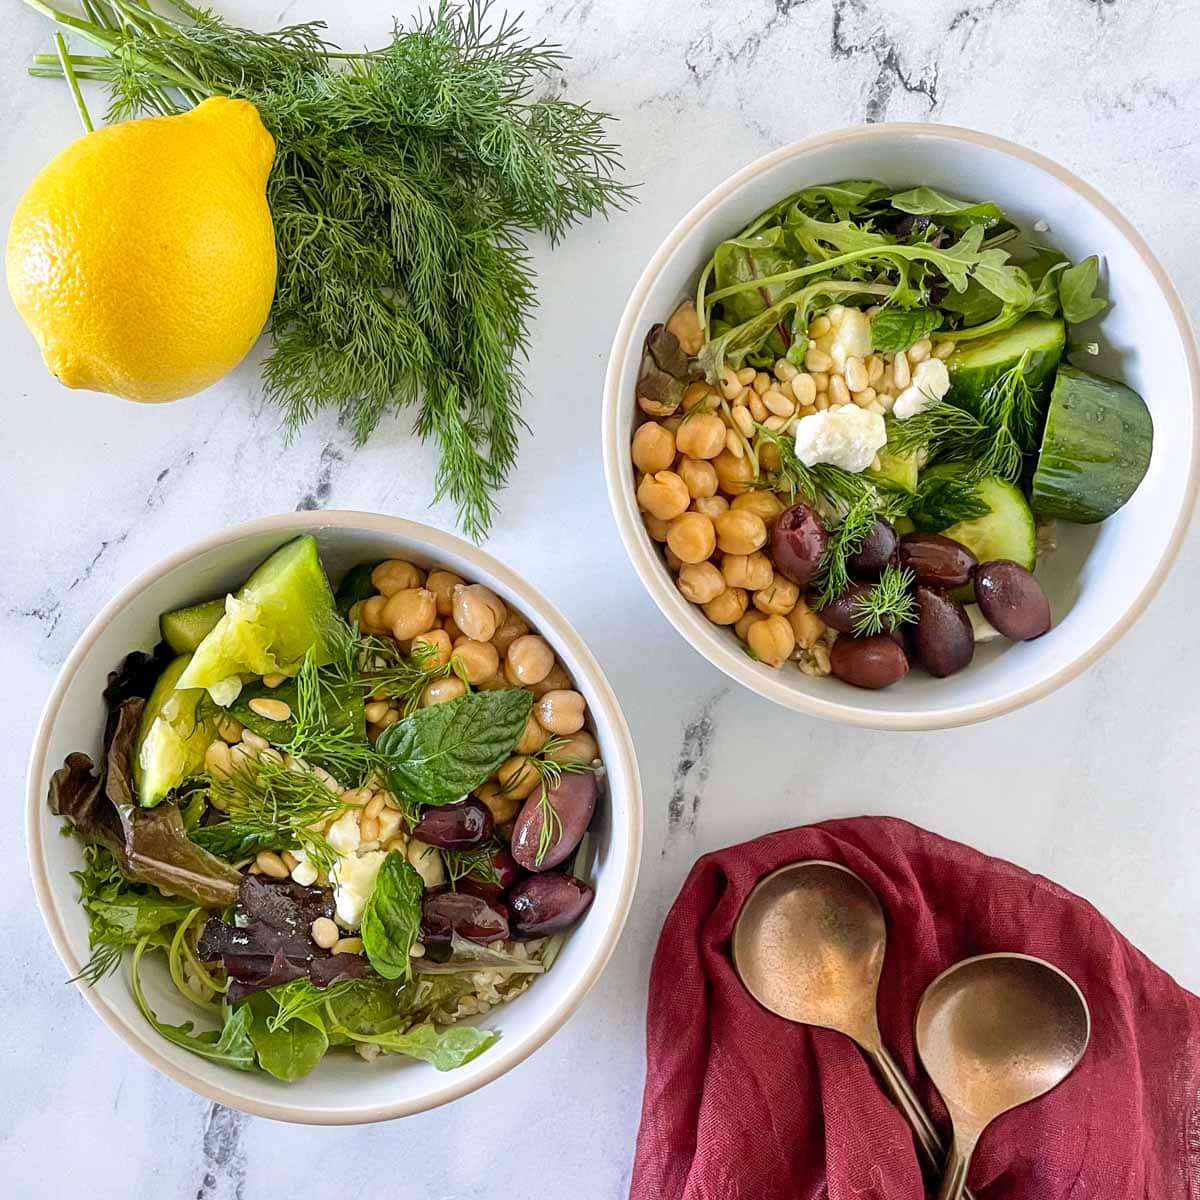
pixel 344 821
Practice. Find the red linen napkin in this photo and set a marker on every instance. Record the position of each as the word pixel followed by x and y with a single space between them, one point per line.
pixel 742 1105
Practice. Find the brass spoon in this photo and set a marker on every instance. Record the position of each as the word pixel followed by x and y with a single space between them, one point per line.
pixel 808 944
pixel 994 1032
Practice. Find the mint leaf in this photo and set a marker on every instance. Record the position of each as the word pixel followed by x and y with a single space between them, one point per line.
pixel 392 917
pixel 445 1048
pixel 441 753
pixel 1076 291
pixel 896 329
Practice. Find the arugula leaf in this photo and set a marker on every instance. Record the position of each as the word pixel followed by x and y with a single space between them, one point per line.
pixel 828 239
pixel 229 1045
pixel 954 214
pixel 300 996
pixel 287 1051
pixel 392 916
pixel 896 329
pixel 740 259
pixel 1045 293
pixel 843 199
pixel 441 753
pixel 1076 291
pixel 444 1048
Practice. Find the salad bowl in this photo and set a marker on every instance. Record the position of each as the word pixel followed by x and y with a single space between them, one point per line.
pixel 341 1089
pixel 1100 576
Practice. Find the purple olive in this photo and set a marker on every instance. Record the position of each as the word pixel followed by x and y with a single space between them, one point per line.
pixel 506 873
pixel 1012 600
pixel 545 904
pixel 798 543
pixel 839 614
pixel 458 826
pixel 872 662
pixel 875 551
pixel 446 913
pixel 936 560
pixel 944 639
pixel 573 799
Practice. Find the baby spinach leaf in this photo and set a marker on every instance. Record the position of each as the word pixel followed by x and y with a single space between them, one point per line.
pixel 289 1050
pixel 953 213
pixel 746 258
pixel 1076 291
pixel 392 916
pixel 897 328
pixel 441 753
pixel 444 1048
pixel 369 1006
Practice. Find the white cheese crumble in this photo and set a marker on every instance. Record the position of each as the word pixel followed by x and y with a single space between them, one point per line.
pixel 343 835
pixel 852 337
pixel 930 382
pixel 353 882
pixel 427 862
pixel 847 436
pixel 981 627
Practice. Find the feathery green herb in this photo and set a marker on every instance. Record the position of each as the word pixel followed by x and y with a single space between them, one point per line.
pixel 888 605
pixel 405 183
pixel 477 862
pixel 550 772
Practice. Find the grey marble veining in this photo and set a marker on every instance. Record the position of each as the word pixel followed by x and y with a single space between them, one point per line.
pixel 1095 786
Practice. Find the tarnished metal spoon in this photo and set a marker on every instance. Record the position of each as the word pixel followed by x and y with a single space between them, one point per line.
pixel 994 1032
pixel 808 944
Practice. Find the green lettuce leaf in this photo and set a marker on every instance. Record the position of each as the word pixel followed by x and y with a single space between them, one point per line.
pixel 288 1050
pixel 444 1048
pixel 1076 291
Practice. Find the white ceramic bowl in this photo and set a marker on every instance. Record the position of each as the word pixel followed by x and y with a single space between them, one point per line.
pixel 1101 577
pixel 343 1089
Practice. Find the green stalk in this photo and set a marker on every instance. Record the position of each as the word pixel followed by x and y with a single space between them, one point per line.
pixel 60 44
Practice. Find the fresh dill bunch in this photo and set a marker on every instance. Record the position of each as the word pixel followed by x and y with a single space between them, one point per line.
pixel 888 605
pixel 406 181
pixel 385 671
pixel 844 541
pixel 1010 405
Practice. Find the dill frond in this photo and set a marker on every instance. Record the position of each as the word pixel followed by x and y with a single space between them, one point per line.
pixel 888 605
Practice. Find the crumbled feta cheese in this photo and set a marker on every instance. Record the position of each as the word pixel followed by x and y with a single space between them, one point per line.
pixel 304 873
pixel 343 835
pixel 930 382
pixel 354 881
pixel 981 627
pixel 847 436
pixel 427 862
pixel 853 337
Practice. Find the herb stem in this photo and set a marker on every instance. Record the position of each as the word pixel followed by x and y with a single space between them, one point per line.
pixel 60 44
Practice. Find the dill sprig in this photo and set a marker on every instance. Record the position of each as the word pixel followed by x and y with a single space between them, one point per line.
pixel 384 671
pixel 477 862
pixel 845 541
pixel 550 772
pixel 888 605
pixel 405 183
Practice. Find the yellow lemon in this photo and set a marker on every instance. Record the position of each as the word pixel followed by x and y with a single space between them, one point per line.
pixel 142 258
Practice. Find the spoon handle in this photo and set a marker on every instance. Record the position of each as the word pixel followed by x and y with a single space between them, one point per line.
pixel 954 1181
pixel 929 1142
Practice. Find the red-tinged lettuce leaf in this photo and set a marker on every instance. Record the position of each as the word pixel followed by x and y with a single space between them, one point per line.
pixel 150 845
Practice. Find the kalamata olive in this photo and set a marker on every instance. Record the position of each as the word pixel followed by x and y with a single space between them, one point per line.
pixel 545 904
pixel 798 543
pixel 875 551
pixel 1012 600
pixel 458 826
pixel 944 639
pixel 839 614
pixel 505 873
pixel 937 560
pixel 872 662
pixel 573 799
pixel 470 916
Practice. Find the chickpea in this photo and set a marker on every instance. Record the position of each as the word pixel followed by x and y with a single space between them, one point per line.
pixel 441 691
pixel 410 612
pixel 438 652
pixel 561 712
pixel 733 474
pixel 698 394
pixel 772 640
pixel 478 611
pixel 684 323
pixel 710 506
pixel 742 625
pixel 653 447
pixel 763 504
pixel 779 597
pixel 503 806
pixel 740 532
pixel 727 607
pixel 702 435
pixel 700 582
pixel 750 571
pixel 517 777
pixel 396 575
pixel 477 660
pixel 673 561
pixel 529 660
pixel 699 477
pixel 556 681
pixel 442 585
pixel 494 683
pixel 514 626
pixel 580 747
pixel 692 537
pixel 806 625
pixel 452 631
pixel 533 737
pixel 655 527
pixel 370 615
pixel 663 495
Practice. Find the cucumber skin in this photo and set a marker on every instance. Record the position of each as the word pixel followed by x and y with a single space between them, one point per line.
pixel 183 629
pixel 1095 451
pixel 968 383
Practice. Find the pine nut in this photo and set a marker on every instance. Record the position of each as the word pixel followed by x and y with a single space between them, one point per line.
pixel 874 369
pixel 820 380
pixel 817 360
pixel 758 410
pixel 762 383
pixel 254 740
pixel 230 730
pixel 943 350
pixel 885 401
pixel 778 404
pixel 857 377
pixel 819 327
pixel 273 681
pixel 743 421
pixel 839 393
pixel 785 370
pixel 217 759
pixel 873 311
pixel 289 859
pixel 416 950
pixel 733 444
pixel 919 351
pixel 742 398
pixel 865 398
pixel 746 376
pixel 729 384
pixel 822 401
pixel 368 829
pixel 876 463
pixel 804 388
pixel 269 863
pixel 270 710
pixel 271 755
pixel 901 372
pixel 325 933
pixel 347 945
pixel 775 424
pixel 304 874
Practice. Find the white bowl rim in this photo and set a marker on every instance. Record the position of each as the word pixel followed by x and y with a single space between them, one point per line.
pixel 534 603
pixel 649 567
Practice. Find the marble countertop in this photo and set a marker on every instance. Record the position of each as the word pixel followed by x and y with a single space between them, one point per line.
pixel 1095 786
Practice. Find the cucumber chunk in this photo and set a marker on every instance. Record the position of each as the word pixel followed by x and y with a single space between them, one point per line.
pixel 284 609
pixel 183 629
pixel 900 470
pixel 171 738
pixel 977 364
pixel 1095 450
